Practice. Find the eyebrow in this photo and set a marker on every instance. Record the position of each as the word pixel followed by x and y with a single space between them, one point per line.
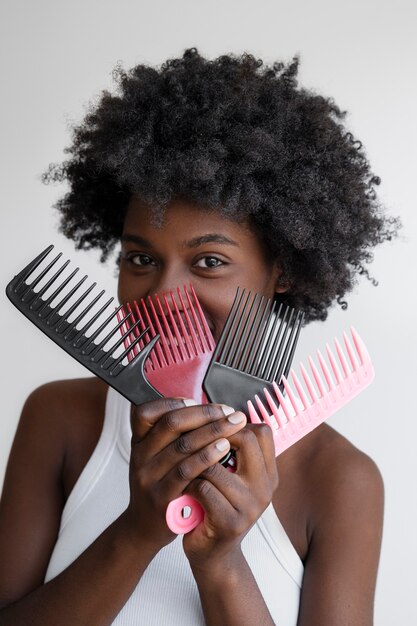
pixel 209 238
pixel 191 243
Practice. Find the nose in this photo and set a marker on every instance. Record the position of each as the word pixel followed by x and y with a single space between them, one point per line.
pixel 178 314
pixel 170 288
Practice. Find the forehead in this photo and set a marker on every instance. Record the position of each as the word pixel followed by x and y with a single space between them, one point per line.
pixel 184 219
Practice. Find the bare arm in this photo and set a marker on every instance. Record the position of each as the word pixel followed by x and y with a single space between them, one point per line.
pixel 341 565
pixel 171 445
pixel 233 502
pixel 30 513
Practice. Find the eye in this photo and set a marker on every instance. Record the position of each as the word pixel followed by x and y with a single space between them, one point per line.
pixel 209 262
pixel 140 259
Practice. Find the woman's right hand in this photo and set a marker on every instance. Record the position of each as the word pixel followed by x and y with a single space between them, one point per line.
pixel 173 442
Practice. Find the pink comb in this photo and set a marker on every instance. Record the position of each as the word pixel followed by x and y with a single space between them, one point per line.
pixel 184 348
pixel 185 342
pixel 296 415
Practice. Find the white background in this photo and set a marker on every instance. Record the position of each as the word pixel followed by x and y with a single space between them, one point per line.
pixel 57 55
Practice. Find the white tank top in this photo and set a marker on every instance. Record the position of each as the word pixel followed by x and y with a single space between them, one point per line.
pixel 167 593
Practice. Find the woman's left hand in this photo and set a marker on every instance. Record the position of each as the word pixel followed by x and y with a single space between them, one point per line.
pixel 232 501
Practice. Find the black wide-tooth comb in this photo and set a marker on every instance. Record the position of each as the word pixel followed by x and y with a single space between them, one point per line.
pixel 107 358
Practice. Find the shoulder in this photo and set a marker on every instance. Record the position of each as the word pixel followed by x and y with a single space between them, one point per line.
pixel 64 419
pixel 57 394
pixel 63 403
pixel 58 428
pixel 341 477
pixel 344 499
pixel 324 481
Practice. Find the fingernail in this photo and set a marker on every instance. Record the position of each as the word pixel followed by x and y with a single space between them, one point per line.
pixel 227 409
pixel 189 401
pixel 222 445
pixel 237 418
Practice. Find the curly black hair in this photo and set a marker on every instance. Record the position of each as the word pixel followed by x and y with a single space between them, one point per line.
pixel 241 137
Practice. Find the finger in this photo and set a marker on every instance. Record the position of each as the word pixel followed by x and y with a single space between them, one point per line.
pixel 143 417
pixel 183 432
pixel 255 454
pixel 217 508
pixel 181 475
pixel 248 490
pixel 265 439
pixel 191 454
pixel 248 452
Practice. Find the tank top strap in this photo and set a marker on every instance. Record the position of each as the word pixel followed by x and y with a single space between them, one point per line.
pixel 114 414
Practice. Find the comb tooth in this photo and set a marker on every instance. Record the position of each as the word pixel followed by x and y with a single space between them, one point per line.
pixel 32 266
pixel 77 302
pixel 160 354
pixel 48 284
pixel 65 300
pixel 281 365
pixel 88 308
pixel 108 353
pixel 136 315
pixel 178 344
pixel 208 336
pixel 266 417
pixel 257 352
pixel 333 364
pixel 274 408
pixel 325 370
pixel 124 330
pixel 309 384
pixel 96 333
pixel 149 308
pixel 253 415
pixel 342 358
pixel 317 377
pixel 231 339
pixel 164 343
pixel 204 332
pixel 183 339
pixel 250 328
pixel 274 339
pixel 250 349
pixel 226 336
pixel 260 371
pixel 150 345
pixel 108 356
pixel 300 390
pixel 289 358
pixel 360 346
pixel 240 336
pixel 274 359
pixel 171 345
pixel 84 329
pixel 291 395
pixel 44 272
pixel 133 346
pixel 282 402
pixel 57 291
pixel 194 344
pixel 129 335
pixel 351 353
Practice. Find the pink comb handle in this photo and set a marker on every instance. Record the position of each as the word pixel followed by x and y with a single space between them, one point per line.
pixel 177 365
pixel 296 415
pixel 183 514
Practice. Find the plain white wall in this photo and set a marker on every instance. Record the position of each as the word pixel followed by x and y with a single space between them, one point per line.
pixel 57 55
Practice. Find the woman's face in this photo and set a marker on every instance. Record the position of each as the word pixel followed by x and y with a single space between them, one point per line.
pixel 192 246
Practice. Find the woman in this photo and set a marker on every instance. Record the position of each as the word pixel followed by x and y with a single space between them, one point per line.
pixel 221 173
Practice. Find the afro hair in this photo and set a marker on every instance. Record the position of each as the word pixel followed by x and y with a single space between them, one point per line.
pixel 236 136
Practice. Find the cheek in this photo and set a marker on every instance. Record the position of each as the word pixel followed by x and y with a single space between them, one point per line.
pixel 216 304
pixel 127 290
